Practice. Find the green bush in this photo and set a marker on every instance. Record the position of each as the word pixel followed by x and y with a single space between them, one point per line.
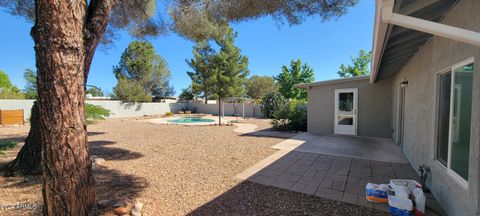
pixel 291 117
pixel 94 112
pixel 169 114
pixel 6 144
pixel 189 108
pixel 271 102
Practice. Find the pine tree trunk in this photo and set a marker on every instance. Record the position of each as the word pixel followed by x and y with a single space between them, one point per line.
pixel 205 93
pixel 68 187
pixel 219 112
pixel 28 159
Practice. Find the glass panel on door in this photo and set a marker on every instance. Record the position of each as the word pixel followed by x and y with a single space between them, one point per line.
pixel 345 103
pixel 345 106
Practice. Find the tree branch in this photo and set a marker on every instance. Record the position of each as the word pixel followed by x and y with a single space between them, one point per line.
pixel 98 16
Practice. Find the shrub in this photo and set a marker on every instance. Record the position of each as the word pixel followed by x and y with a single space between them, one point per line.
pixel 291 117
pixel 271 102
pixel 94 112
pixel 189 108
pixel 169 114
pixel 6 144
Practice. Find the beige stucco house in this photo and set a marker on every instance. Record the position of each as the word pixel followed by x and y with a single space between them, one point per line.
pixel 423 92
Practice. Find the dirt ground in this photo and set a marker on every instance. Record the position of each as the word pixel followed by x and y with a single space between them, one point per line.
pixel 175 170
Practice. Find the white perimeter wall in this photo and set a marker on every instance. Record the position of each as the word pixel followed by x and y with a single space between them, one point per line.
pixel 120 109
pixel 230 109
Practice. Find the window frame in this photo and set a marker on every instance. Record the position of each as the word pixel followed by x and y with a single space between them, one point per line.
pixel 447 169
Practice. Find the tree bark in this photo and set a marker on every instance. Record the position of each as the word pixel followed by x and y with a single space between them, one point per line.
pixel 205 93
pixel 219 112
pixel 68 187
pixel 28 159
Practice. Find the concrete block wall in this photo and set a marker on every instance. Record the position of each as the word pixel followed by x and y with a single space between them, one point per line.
pixel 121 109
pixel 230 109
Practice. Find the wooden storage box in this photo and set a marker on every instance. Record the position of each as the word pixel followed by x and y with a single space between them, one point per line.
pixel 11 117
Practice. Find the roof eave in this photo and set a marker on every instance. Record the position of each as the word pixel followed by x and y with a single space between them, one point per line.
pixel 379 36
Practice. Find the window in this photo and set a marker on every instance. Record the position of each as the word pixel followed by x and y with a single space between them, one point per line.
pixel 455 89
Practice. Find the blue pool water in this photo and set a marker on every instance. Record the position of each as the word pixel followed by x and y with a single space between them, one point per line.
pixel 188 120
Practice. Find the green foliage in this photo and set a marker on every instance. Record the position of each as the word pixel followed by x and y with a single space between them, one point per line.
pixel 291 116
pixel 289 77
pixel 30 89
pixel 219 75
pixel 95 112
pixel 169 114
pixel 271 102
pixel 7 144
pixel 360 67
pixel 7 89
pixel 202 64
pixel 95 92
pixel 203 19
pixel 5 80
pixel 128 91
pixel 230 68
pixel 141 74
pixel 186 95
pixel 259 86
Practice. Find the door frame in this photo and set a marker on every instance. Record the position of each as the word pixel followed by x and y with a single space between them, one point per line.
pixel 355 109
pixel 400 124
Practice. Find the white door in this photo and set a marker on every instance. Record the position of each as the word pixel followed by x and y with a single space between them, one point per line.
pixel 346 111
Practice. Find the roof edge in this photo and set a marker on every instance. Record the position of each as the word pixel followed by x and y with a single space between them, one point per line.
pixel 333 81
pixel 379 36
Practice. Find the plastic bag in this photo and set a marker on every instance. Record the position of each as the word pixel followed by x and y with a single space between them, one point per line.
pixel 377 193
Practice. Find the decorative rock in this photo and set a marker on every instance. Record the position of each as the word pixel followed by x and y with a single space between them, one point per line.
pixel 137 210
pixel 138 205
pixel 122 210
pixel 109 213
pixel 98 161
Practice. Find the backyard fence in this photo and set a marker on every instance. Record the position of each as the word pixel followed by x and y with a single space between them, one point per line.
pixel 121 109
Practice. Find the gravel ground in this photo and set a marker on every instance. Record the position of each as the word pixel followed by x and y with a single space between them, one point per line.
pixel 178 170
pixel 263 124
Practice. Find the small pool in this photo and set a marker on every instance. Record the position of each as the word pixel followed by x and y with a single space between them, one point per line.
pixel 189 120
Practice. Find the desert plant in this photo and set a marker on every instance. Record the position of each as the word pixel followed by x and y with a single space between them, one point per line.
pixel 271 102
pixel 95 112
pixel 291 116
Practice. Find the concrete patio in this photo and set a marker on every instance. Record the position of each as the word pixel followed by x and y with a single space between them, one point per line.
pixel 370 148
pixel 309 164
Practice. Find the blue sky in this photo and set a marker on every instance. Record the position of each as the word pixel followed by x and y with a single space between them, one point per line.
pixel 322 45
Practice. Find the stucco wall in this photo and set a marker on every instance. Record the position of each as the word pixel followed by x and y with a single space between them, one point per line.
pixel 420 110
pixel 374 108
